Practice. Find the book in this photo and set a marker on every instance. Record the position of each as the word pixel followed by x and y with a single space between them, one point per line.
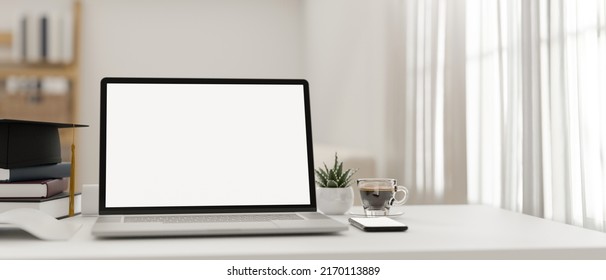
pixel 33 189
pixel 56 206
pixel 19 36
pixel 55 37
pixel 67 38
pixel 60 170
pixel 54 85
pixel 44 37
pixel 33 38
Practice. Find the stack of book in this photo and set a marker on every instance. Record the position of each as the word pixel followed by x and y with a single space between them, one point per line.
pixel 42 187
pixel 32 174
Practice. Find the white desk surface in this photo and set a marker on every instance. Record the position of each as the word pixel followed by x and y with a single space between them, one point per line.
pixel 435 232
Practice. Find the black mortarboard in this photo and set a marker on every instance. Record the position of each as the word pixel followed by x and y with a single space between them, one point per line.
pixel 30 143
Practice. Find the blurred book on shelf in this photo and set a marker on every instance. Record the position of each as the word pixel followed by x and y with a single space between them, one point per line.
pixel 43 37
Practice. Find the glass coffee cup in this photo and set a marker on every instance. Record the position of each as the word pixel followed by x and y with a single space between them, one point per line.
pixel 378 195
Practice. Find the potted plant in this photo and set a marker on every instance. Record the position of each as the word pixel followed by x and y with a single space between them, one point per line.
pixel 334 194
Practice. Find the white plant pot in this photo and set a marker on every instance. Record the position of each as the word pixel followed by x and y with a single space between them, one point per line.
pixel 334 201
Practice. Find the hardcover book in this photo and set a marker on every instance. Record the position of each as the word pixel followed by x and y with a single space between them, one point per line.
pixel 33 189
pixel 56 206
pixel 60 170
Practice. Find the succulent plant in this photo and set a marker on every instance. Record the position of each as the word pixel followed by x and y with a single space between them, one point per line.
pixel 334 177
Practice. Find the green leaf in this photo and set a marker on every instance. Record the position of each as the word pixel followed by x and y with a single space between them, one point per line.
pixel 344 176
pixel 321 171
pixel 341 179
pixel 333 175
pixel 325 172
pixel 351 173
pixel 332 184
pixel 336 162
pixel 321 176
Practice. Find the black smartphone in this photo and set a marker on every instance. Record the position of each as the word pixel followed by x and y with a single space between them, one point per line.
pixel 377 224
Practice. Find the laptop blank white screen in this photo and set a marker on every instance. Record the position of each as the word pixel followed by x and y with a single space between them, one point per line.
pixel 172 145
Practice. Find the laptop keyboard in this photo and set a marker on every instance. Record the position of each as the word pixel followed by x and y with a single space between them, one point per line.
pixel 211 218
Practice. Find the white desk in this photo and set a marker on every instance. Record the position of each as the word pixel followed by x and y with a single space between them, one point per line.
pixel 436 232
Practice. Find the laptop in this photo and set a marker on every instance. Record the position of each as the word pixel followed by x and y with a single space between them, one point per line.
pixel 196 157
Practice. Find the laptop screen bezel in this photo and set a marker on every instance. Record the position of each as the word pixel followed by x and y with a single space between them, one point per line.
pixel 104 210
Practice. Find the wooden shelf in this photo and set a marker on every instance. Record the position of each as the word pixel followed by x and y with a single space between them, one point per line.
pixel 38 70
pixel 53 108
pixel 6 38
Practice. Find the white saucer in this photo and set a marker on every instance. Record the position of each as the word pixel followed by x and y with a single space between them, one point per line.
pixel 392 213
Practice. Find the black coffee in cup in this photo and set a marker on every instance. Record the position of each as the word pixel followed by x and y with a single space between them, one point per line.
pixel 376 198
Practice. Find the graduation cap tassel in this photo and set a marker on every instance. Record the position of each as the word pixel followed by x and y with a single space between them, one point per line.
pixel 72 187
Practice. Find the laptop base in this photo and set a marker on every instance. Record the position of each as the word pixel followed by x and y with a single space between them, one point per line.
pixel 114 226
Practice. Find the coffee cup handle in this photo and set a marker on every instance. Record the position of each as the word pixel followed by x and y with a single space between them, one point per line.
pixel 400 201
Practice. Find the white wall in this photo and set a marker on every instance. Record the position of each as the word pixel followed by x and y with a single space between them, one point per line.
pixel 182 38
pixel 346 64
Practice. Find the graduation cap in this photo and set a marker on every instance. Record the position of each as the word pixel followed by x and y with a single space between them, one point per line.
pixel 30 143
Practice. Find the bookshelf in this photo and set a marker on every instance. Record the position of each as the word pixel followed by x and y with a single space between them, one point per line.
pixel 35 103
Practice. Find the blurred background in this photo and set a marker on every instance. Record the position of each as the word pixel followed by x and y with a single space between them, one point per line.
pixel 463 101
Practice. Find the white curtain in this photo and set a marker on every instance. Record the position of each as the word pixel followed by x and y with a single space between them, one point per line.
pixel 481 101
pixel 426 140
pixel 536 94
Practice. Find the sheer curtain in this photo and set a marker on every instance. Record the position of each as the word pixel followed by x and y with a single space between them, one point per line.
pixel 425 144
pixel 481 101
pixel 536 131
